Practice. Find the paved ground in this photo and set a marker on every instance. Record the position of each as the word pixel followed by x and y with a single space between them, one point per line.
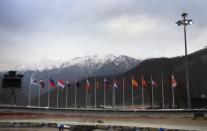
pixel 28 129
pixel 156 121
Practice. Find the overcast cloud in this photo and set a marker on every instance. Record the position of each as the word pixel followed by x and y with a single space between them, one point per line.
pixel 31 30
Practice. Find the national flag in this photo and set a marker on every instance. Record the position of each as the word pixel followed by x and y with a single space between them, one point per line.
pixel 41 83
pixel 88 85
pixel 144 83
pixel 52 83
pixel 174 82
pixel 154 84
pixel 33 81
pixel 68 84
pixel 106 83
pixel 97 84
pixel 134 83
pixel 61 84
pixel 115 84
pixel 77 84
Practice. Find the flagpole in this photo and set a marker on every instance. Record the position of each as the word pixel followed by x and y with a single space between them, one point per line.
pixel 75 92
pixel 57 95
pixel 132 95
pixel 104 95
pixel 113 97
pixel 39 97
pixel 173 101
pixel 48 93
pixel 123 93
pixel 30 91
pixel 66 97
pixel 152 91
pixel 163 96
pixel 174 83
pixel 95 92
pixel 142 94
pixel 86 96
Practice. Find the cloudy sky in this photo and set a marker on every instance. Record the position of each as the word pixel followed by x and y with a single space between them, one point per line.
pixel 31 30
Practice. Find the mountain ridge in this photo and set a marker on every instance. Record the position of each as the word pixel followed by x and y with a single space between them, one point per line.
pixel 48 64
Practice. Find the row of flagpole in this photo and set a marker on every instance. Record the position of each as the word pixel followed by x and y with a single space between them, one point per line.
pixel 143 83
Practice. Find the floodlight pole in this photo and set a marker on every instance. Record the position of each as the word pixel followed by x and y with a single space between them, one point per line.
pixel 187 66
pixel 186 22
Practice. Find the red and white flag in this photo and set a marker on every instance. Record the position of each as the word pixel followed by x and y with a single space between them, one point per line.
pixel 88 85
pixel 174 82
pixel 61 84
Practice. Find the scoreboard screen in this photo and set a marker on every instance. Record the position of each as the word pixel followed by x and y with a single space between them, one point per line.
pixel 11 83
pixel 12 80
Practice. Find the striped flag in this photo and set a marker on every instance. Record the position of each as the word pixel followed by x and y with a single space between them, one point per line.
pixel 61 84
pixel 52 83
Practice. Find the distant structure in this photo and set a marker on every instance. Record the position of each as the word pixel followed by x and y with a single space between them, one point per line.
pixel 12 82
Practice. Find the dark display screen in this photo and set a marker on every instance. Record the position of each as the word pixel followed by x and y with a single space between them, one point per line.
pixel 11 83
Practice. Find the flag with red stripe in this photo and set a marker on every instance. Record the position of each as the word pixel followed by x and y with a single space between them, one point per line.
pixel 51 83
pixel 173 81
pixel 61 84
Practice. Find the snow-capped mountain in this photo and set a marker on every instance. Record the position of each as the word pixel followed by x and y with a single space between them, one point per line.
pixel 126 60
pixel 119 65
pixel 90 62
pixel 82 66
pixel 43 64
pixel 77 68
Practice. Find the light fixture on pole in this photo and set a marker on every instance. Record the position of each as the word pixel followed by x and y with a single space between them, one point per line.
pixel 186 22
